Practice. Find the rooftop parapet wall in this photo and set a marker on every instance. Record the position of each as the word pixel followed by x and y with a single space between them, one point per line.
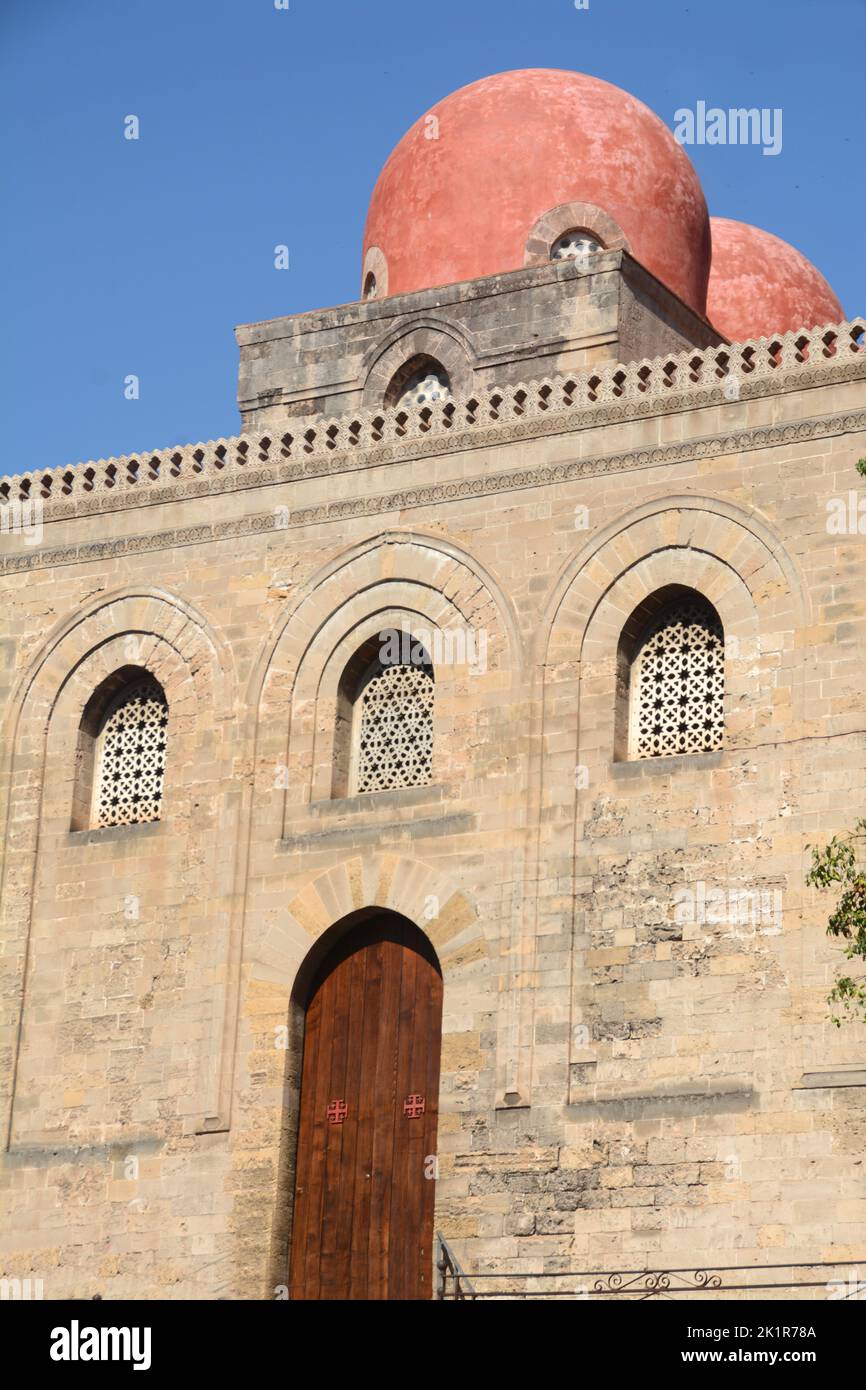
pixel 316 446
pixel 560 316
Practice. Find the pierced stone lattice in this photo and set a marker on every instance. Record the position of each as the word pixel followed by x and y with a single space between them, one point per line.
pixel 395 745
pixel 132 760
pixel 574 246
pixel 425 386
pixel 680 684
pixel 762 366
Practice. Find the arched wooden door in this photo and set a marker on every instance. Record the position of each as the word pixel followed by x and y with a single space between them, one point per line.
pixel 364 1185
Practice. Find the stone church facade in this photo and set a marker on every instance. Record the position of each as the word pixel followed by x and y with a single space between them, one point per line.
pixel 625 694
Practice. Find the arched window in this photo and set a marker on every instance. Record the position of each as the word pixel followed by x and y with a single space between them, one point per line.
pixel 120 759
pixel 385 717
pixel 577 244
pixel 671 677
pixel 420 381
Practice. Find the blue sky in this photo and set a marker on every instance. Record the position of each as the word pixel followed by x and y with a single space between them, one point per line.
pixel 261 127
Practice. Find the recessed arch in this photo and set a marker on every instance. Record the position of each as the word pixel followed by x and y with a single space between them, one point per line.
pixel 317 916
pixel 376 269
pixel 393 580
pixel 413 556
pixel 420 380
pixel 429 339
pixel 694 523
pixel 576 216
pixel 325 947
pixel 151 630
pixel 337 598
pixel 731 556
pixel 591 624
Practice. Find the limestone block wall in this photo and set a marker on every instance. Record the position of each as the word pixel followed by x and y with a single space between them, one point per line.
pixel 627 1078
pixel 500 331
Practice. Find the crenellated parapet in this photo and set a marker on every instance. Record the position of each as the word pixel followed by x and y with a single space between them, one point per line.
pixel 317 446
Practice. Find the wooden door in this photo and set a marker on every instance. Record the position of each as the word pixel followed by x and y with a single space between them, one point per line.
pixel 364 1188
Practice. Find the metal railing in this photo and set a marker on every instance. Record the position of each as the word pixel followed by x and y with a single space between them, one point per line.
pixel 838 1280
pixel 451 1281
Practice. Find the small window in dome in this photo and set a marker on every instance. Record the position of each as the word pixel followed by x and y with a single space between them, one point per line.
pixel 575 245
pixel 371 289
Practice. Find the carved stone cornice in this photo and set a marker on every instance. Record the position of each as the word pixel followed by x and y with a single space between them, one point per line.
pixel 605 395
pixel 534 475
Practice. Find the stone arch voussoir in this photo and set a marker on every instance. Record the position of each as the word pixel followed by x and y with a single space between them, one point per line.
pixel 392 882
pixel 706 544
pixel 427 338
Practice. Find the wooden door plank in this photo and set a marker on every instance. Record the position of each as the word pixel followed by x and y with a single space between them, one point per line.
pixel 315 1087
pixel 354 1092
pixel 417 1047
pixel 429 1064
pixel 401 1183
pixel 337 989
pixel 318 1138
pixel 367 1051
pixel 383 1092
pixel 301 1210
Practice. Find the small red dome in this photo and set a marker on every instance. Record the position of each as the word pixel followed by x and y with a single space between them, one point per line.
pixel 760 286
pixel 461 193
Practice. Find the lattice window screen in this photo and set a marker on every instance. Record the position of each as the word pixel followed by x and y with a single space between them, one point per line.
pixel 678 684
pixel 395 732
pixel 424 387
pixel 132 757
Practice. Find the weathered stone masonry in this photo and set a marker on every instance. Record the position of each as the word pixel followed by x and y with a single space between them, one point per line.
pixel 621 1085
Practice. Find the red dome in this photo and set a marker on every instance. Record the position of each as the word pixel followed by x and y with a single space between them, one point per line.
pixel 510 148
pixel 760 286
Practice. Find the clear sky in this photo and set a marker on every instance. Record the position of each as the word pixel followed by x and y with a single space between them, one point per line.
pixel 261 126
